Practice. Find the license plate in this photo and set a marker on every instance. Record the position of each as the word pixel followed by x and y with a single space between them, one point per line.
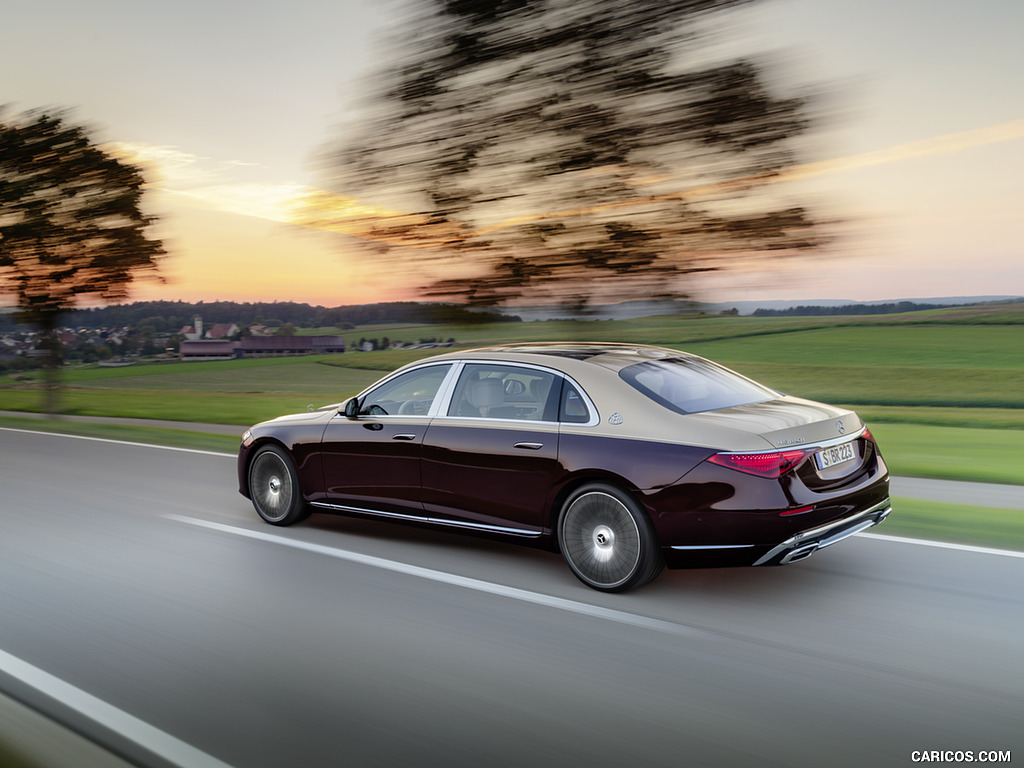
pixel 837 454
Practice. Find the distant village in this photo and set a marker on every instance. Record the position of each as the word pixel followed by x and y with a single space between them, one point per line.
pixel 218 341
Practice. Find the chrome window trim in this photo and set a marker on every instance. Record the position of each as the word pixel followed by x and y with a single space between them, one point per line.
pixel 442 399
pixel 439 407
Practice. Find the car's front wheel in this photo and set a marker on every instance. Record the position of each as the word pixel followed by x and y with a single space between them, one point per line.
pixel 607 540
pixel 274 487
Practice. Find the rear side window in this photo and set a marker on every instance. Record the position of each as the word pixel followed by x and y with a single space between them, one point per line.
pixel 693 385
pixel 572 408
pixel 497 391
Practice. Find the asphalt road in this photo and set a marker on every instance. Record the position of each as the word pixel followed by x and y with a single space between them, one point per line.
pixel 143 605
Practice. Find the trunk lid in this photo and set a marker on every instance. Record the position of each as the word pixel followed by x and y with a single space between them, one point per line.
pixel 786 422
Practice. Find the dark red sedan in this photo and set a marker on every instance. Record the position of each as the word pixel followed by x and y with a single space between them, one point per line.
pixel 625 458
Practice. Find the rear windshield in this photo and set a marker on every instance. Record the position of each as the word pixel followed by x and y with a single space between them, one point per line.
pixel 692 385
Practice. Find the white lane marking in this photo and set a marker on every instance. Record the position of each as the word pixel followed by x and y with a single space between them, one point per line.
pixel 682 630
pixel 450 578
pixel 122 442
pixel 145 735
pixel 943 545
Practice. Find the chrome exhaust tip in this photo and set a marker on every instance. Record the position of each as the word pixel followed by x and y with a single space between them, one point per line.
pixel 800 553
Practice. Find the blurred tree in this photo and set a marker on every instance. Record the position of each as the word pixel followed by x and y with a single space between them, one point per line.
pixel 567 149
pixel 288 329
pixel 70 225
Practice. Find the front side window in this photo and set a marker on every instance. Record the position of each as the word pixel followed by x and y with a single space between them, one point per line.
pixel 496 391
pixel 408 394
pixel 693 385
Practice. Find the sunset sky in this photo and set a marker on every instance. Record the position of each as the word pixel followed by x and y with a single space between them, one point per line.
pixel 225 103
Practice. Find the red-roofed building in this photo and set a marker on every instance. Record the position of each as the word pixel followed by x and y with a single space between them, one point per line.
pixel 261 346
pixel 221 331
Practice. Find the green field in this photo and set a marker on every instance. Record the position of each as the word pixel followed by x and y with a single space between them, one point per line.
pixel 943 390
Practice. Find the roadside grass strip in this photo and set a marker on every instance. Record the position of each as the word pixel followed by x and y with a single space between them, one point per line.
pixel 154 436
pixel 955 523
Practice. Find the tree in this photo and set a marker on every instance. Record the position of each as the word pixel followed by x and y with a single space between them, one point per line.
pixel 288 329
pixel 568 150
pixel 71 225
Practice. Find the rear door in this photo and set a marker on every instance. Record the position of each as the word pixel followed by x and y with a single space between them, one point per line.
pixel 491 461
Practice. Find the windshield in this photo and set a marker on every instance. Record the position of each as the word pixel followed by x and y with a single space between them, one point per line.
pixel 692 385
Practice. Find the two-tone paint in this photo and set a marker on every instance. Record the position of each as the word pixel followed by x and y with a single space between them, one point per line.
pixel 510 477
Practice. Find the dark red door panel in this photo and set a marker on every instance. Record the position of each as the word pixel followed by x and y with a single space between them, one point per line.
pixel 374 463
pixel 489 473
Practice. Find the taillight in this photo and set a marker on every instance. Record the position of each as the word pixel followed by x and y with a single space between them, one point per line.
pixel 771 464
pixel 867 435
pixel 796 511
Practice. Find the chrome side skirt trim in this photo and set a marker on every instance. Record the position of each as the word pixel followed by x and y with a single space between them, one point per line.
pixel 484 527
pixel 361 511
pixel 713 546
pixel 430 520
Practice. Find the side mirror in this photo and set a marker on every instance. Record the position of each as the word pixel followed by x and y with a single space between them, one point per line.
pixel 352 408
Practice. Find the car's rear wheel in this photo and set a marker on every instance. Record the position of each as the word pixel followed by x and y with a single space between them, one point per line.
pixel 274 487
pixel 607 540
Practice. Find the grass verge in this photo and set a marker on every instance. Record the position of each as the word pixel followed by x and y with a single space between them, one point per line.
pixel 240 408
pixel 952 453
pixel 955 523
pixel 176 438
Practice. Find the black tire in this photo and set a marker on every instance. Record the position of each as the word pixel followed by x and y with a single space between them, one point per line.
pixel 274 487
pixel 607 540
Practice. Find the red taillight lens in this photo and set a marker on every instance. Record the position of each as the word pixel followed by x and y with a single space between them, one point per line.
pixel 867 435
pixel 771 464
pixel 796 511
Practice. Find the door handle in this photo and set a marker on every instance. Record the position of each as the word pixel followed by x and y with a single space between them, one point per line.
pixel 403 436
pixel 529 446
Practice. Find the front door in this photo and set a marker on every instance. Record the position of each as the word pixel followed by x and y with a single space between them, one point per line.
pixel 372 461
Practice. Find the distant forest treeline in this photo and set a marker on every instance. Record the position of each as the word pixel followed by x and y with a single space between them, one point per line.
pixel 171 316
pixel 849 309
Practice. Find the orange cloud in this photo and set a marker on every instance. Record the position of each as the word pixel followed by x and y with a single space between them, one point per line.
pixel 937 145
pixel 198 179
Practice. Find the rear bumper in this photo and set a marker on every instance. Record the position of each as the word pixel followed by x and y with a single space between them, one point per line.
pixel 797 547
pixel 805 544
